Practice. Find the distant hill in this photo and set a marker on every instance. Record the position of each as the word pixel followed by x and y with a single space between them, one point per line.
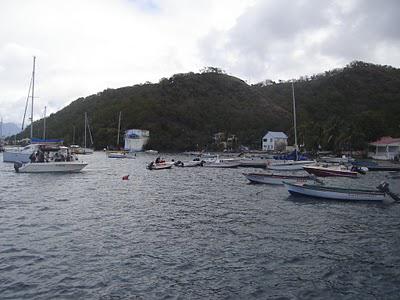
pixel 10 129
pixel 338 110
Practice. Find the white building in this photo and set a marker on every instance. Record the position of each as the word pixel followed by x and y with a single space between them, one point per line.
pixel 136 139
pixel 386 148
pixel 273 141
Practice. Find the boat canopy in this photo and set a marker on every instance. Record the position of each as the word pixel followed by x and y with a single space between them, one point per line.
pixel 46 141
pixel 295 155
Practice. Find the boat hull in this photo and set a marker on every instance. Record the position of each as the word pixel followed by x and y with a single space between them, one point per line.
pixel 329 172
pixel 334 193
pixel 189 164
pixel 116 155
pixel 224 165
pixel 274 179
pixel 51 167
pixel 160 166
pixel 289 166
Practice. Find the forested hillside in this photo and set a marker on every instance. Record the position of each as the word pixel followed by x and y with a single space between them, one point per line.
pixel 340 109
pixel 345 108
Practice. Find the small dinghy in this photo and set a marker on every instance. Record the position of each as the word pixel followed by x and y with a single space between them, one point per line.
pixel 221 163
pixel 267 178
pixel 160 164
pixel 337 193
pixel 289 165
pixel 330 171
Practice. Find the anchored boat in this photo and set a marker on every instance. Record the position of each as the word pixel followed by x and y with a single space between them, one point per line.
pixel 331 171
pixel 337 193
pixel 49 159
pixel 275 178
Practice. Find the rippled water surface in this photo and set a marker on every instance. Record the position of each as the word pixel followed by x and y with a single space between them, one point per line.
pixel 189 233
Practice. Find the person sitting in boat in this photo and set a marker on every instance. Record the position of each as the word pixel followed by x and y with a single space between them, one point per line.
pixel 40 156
pixel 46 156
pixel 158 160
pixel 32 157
pixel 57 157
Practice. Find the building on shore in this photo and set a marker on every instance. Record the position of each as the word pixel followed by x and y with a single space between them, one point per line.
pixel 385 148
pixel 136 139
pixel 274 141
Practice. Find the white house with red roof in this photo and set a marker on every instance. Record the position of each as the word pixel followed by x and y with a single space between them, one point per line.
pixel 386 148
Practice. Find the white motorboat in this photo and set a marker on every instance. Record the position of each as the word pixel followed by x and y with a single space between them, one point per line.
pixel 221 163
pixel 160 165
pixel 331 171
pixel 289 165
pixel 334 193
pixel 49 159
pixel 50 167
pixel 276 179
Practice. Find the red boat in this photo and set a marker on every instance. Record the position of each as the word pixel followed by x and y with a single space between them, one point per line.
pixel 338 171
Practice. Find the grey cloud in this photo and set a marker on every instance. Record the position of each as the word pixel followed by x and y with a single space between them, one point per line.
pixel 268 37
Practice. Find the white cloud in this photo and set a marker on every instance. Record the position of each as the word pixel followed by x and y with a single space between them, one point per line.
pixel 86 46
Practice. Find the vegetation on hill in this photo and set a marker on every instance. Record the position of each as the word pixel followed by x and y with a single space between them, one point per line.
pixel 343 109
pixel 338 110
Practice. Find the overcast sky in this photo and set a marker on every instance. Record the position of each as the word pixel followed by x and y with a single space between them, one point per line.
pixel 85 46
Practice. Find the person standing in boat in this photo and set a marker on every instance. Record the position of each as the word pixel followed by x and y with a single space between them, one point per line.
pixel 32 157
pixel 40 157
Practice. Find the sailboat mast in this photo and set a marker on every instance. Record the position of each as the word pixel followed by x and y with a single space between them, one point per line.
pixel 119 126
pixel 44 124
pixel 85 128
pixel 33 92
pixel 294 118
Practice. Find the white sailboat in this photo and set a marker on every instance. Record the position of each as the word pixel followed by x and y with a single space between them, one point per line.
pixel 291 165
pixel 1 135
pixel 19 154
pixel 119 153
pixel 85 149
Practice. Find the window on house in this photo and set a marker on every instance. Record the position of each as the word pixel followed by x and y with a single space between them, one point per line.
pixel 271 140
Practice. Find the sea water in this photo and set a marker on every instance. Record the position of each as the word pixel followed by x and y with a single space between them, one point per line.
pixel 189 233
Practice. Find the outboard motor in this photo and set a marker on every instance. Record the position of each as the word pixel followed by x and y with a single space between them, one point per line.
pixel 384 187
pixel 17 165
pixel 150 166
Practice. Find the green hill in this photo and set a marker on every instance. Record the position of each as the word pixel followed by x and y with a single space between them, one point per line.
pixel 338 109
pixel 345 108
